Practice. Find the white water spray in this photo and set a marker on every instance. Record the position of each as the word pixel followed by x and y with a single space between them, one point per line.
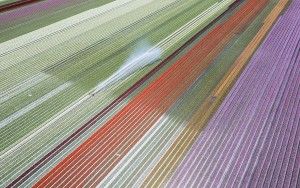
pixel 141 57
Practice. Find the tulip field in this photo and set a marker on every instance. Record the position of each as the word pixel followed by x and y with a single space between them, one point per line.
pixel 149 93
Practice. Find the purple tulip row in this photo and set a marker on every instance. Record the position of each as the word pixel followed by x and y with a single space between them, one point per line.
pixel 253 139
pixel 37 8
